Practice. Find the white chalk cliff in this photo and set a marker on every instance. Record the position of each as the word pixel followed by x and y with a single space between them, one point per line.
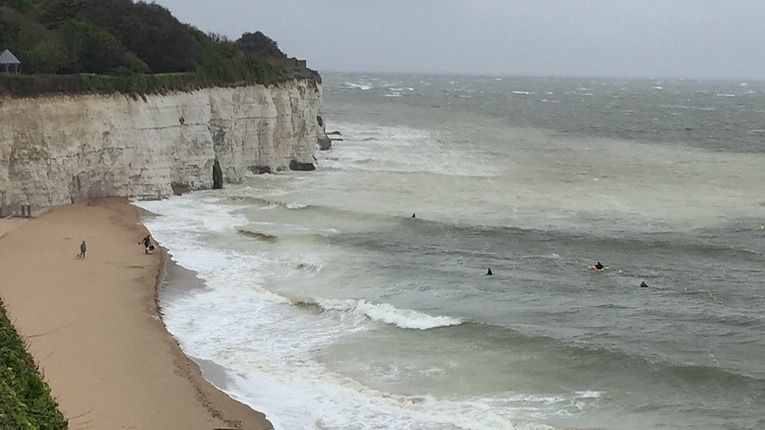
pixel 60 149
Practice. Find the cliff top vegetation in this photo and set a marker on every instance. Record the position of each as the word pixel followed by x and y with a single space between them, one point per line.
pixel 130 46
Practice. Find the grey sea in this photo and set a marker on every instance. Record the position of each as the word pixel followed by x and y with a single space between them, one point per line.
pixel 357 297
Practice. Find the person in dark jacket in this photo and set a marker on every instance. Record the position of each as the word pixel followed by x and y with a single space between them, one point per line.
pixel 148 247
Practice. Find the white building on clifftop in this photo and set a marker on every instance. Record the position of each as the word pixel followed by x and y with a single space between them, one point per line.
pixel 8 60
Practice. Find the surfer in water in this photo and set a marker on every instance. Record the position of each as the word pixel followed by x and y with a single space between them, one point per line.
pixel 489 272
pixel 643 285
pixel 413 216
pixel 599 266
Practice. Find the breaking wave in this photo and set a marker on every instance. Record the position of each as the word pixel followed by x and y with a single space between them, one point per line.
pixel 384 313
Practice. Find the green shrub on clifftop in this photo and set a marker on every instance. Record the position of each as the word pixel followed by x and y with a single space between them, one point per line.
pixel 125 82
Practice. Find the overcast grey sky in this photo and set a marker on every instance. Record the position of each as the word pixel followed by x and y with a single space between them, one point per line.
pixel 633 38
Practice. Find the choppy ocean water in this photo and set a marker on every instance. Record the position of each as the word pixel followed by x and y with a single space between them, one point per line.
pixel 333 308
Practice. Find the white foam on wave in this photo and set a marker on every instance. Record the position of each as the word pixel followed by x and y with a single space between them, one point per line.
pixel 358 86
pixel 589 394
pixel 389 314
pixel 234 306
pixel 402 150
pixel 190 216
pixel 268 344
pixel 189 244
pixel 342 403
pixel 274 348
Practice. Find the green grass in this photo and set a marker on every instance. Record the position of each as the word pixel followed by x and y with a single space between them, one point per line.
pixel 84 83
pixel 25 400
pixel 127 83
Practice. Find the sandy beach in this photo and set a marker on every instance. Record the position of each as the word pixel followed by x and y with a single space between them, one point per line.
pixel 94 328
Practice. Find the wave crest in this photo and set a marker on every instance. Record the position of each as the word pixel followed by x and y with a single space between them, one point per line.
pixel 388 314
pixel 265 237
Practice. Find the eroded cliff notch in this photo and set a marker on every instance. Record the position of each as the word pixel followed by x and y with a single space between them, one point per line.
pixel 217 175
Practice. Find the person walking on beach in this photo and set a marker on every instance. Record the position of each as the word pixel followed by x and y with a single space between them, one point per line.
pixel 148 247
pixel 83 248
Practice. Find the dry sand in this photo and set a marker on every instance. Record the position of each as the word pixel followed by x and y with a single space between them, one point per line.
pixel 93 326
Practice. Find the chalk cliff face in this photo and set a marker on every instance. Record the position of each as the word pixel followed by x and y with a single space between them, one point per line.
pixel 56 150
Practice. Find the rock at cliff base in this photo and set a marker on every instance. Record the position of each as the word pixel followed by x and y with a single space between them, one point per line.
pixel 325 142
pixel 259 170
pixel 296 165
pixel 180 188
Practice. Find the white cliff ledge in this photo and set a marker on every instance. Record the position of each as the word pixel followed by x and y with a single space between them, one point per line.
pixel 61 149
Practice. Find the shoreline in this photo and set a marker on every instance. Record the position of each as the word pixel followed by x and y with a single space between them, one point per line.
pixel 95 327
pixel 175 280
pixel 206 376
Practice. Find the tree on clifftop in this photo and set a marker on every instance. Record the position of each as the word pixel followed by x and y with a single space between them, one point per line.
pixel 259 44
pixel 148 30
pixel 125 38
pixel 92 49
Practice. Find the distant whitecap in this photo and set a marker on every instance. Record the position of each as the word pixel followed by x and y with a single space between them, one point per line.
pixel 362 87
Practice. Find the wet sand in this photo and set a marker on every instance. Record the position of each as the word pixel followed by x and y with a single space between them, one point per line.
pixel 94 328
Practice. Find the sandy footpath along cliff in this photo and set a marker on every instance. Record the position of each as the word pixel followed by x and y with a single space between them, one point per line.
pixel 63 149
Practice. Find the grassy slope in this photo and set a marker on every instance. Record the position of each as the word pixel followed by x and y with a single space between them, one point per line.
pixel 25 400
